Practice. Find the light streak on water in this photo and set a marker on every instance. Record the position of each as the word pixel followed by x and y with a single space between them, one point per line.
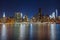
pixel 31 31
pixel 22 31
pixel 52 31
pixel 4 32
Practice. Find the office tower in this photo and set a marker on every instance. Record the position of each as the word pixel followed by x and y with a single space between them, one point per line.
pixel 3 14
pixel 21 15
pixel 17 16
pixel 56 12
pixel 4 17
pixel 39 14
pixel 25 19
pixel 52 15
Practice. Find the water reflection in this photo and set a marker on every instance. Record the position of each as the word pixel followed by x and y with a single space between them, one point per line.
pixel 43 30
pixel 57 31
pixel 32 31
pixel 16 31
pixel 53 36
pixel 22 31
pixel 4 32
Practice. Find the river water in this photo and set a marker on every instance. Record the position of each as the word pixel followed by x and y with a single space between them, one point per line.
pixel 32 31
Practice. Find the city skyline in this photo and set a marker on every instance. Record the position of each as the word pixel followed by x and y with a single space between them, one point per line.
pixel 19 17
pixel 30 7
pixel 53 14
pixel 29 19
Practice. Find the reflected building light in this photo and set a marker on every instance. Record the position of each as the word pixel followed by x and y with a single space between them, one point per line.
pixel 31 28
pixel 31 31
pixel 4 32
pixel 52 32
pixel 22 31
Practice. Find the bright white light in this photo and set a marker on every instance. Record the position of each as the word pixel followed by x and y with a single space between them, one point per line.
pixel 21 15
pixel 31 30
pixel 3 33
pixel 56 12
pixel 4 14
pixel 52 15
pixel 52 31
pixel 22 31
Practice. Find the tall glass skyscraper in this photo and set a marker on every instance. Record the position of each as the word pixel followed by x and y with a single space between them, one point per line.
pixel 17 16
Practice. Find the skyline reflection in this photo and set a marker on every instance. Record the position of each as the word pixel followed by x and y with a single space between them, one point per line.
pixel 30 31
pixel 53 31
pixel 4 32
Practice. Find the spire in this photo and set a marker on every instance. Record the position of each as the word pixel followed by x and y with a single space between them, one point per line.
pixel 3 14
pixel 56 12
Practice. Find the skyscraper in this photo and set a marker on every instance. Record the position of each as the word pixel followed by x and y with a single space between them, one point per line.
pixel 56 12
pixel 40 11
pixel 25 18
pixel 17 16
pixel 4 17
pixel 39 14
pixel 3 14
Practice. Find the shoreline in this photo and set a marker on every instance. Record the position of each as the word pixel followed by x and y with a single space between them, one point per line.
pixel 32 23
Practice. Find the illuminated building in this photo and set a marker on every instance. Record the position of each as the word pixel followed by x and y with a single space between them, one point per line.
pixel 38 16
pixel 52 15
pixel 25 19
pixel 56 12
pixel 4 18
pixel 59 17
pixel 10 20
pixel 33 19
pixel 40 13
pixel 18 17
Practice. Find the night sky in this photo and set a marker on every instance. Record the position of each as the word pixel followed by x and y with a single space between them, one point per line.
pixel 29 7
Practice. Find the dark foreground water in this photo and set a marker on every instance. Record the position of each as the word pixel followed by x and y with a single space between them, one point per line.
pixel 31 31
